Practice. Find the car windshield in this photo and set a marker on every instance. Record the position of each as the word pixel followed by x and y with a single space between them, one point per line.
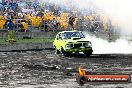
pixel 69 35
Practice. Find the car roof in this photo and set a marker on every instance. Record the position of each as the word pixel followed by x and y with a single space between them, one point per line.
pixel 70 31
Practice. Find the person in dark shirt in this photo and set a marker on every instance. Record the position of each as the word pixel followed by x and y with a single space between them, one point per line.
pixel 71 22
pixel 10 25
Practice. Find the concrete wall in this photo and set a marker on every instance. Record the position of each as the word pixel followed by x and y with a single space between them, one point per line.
pixel 25 46
pixel 3 34
pixel 36 34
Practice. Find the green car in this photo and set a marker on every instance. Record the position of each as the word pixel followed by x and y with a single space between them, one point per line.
pixel 68 42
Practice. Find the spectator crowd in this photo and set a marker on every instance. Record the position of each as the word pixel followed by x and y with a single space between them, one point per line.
pixel 31 16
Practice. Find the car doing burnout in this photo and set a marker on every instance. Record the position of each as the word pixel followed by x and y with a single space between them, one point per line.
pixel 67 42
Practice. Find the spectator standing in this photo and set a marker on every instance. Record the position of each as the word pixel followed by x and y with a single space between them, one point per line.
pixel 71 22
pixel 10 37
pixel 54 23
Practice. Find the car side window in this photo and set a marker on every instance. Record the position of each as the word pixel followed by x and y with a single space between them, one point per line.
pixel 57 37
pixel 63 36
pixel 60 36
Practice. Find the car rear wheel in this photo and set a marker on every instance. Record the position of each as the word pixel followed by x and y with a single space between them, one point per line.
pixel 56 51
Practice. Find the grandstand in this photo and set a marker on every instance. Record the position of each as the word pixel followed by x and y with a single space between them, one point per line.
pixel 42 19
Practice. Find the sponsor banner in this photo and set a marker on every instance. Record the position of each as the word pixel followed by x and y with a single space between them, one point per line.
pixel 108 78
pixel 85 76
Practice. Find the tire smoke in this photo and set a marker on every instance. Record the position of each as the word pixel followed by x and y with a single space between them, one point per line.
pixel 101 46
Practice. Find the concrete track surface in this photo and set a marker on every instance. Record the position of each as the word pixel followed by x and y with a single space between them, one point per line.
pixel 17 69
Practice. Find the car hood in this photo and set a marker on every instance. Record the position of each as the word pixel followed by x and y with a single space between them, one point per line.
pixel 76 40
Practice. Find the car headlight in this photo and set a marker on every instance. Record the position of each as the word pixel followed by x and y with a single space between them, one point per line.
pixel 89 44
pixel 68 46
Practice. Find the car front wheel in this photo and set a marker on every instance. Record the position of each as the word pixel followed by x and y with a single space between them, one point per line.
pixel 57 51
pixel 64 52
pixel 88 53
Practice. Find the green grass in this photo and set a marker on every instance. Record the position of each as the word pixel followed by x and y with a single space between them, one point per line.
pixel 33 40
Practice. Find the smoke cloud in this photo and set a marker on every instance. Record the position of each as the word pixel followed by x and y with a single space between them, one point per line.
pixel 101 46
pixel 119 11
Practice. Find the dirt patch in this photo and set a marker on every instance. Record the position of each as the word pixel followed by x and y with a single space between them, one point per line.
pixel 13 73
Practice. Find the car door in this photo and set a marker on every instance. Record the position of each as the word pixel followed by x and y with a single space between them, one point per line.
pixel 60 41
pixel 57 41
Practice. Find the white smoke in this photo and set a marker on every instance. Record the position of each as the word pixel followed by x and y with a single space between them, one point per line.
pixel 119 11
pixel 100 46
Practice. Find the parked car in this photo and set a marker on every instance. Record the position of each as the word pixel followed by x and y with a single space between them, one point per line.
pixel 67 42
